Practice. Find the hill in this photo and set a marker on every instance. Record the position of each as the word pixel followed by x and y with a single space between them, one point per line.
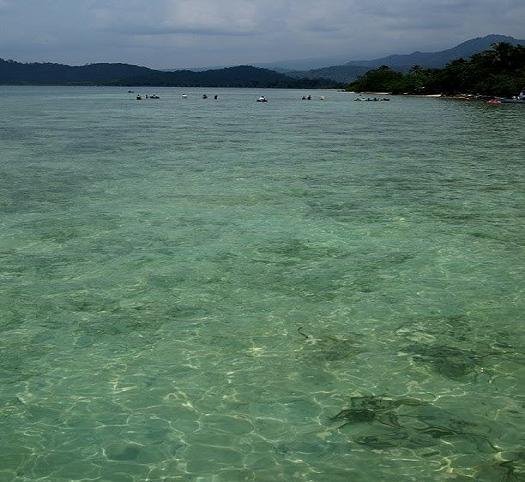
pixel 339 73
pixel 303 64
pixel 352 70
pixel 499 71
pixel 464 50
pixel 17 73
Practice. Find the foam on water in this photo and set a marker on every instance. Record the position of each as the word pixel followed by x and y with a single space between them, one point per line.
pixel 221 291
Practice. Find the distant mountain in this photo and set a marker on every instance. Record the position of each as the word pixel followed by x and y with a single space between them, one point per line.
pixel 350 71
pixel 12 72
pixel 438 59
pixel 303 64
pixel 339 73
pixel 283 66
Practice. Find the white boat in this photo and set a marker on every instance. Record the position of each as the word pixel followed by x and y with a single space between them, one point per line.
pixel 262 99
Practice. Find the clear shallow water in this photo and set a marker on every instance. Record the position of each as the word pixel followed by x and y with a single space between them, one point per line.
pixel 222 291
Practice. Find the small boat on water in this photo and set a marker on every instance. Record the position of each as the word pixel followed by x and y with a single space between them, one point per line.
pixel 262 99
pixel 512 101
pixel 503 100
pixel 184 96
pixel 372 99
pixel 139 97
pixel 154 96
pixel 519 99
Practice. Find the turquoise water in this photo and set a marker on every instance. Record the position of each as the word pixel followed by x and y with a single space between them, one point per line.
pixel 228 291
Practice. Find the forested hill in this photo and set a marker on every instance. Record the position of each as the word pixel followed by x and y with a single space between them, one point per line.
pixel 499 71
pixel 436 60
pixel 403 63
pixel 17 73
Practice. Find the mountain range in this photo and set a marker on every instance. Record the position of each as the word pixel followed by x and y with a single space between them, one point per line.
pixel 17 73
pixel 12 72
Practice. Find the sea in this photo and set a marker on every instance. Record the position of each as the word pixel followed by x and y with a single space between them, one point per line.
pixel 223 290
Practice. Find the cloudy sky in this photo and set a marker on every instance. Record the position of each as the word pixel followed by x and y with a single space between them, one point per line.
pixel 183 33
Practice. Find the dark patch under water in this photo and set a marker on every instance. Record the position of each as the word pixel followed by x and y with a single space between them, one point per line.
pixel 410 423
pixel 450 362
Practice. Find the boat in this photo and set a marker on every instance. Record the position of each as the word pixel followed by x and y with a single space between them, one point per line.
pixel 184 96
pixel 154 96
pixel 139 97
pixel 519 99
pixel 262 99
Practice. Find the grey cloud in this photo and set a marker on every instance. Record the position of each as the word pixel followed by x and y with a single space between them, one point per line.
pixel 178 33
pixel 182 16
